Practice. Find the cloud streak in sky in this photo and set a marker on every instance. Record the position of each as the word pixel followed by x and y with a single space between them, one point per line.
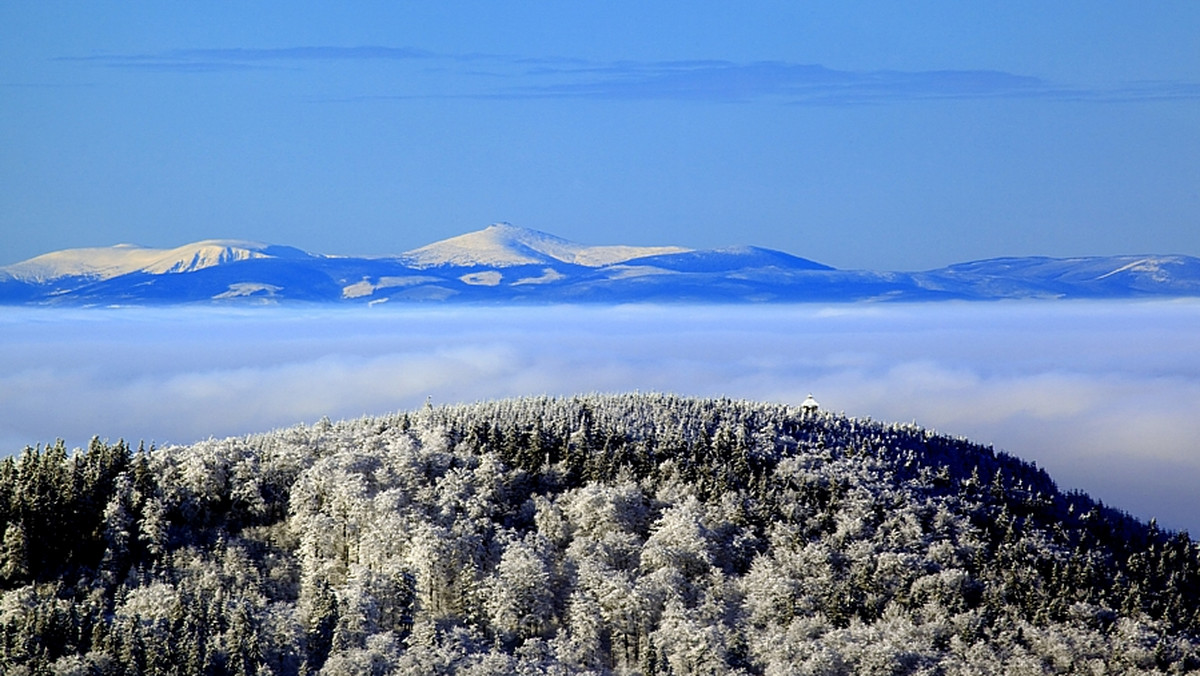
pixel 515 77
pixel 234 59
pixel 785 82
pixel 1102 395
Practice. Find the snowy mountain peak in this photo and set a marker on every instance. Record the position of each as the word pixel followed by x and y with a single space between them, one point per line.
pixel 205 254
pixel 102 263
pixel 504 245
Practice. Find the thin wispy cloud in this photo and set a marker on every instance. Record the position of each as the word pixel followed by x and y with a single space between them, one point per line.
pixel 211 60
pixel 521 77
pixel 787 82
pixel 1159 90
pixel 320 53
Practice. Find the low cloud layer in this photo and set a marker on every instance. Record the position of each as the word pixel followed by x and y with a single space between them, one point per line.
pixel 1104 396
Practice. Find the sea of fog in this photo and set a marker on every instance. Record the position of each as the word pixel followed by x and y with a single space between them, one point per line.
pixel 1105 396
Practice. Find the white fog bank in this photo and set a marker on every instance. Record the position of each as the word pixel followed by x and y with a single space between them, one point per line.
pixel 1105 396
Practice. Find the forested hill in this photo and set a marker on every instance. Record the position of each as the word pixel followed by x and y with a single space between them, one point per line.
pixel 604 534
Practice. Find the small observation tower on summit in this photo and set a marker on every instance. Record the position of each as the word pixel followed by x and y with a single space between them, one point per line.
pixel 809 406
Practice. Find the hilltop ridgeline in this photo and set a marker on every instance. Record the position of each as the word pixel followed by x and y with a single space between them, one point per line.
pixel 625 534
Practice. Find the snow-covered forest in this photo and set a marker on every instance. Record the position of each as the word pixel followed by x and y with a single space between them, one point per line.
pixel 632 534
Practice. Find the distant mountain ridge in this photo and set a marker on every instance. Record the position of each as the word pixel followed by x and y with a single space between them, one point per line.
pixel 508 264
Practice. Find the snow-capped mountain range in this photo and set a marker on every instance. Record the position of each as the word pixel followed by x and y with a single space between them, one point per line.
pixel 505 263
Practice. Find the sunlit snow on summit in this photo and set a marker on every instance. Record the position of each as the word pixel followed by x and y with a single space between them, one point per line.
pixel 505 245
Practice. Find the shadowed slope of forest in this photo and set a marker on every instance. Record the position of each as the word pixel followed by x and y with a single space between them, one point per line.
pixel 643 534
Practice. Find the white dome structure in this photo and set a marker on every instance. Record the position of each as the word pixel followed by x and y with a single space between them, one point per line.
pixel 809 405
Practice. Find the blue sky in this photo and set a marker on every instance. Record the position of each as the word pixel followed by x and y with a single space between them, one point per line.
pixel 861 135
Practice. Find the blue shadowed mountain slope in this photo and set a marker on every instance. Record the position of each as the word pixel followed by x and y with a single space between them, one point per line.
pixel 507 264
pixel 1082 277
pixel 727 260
